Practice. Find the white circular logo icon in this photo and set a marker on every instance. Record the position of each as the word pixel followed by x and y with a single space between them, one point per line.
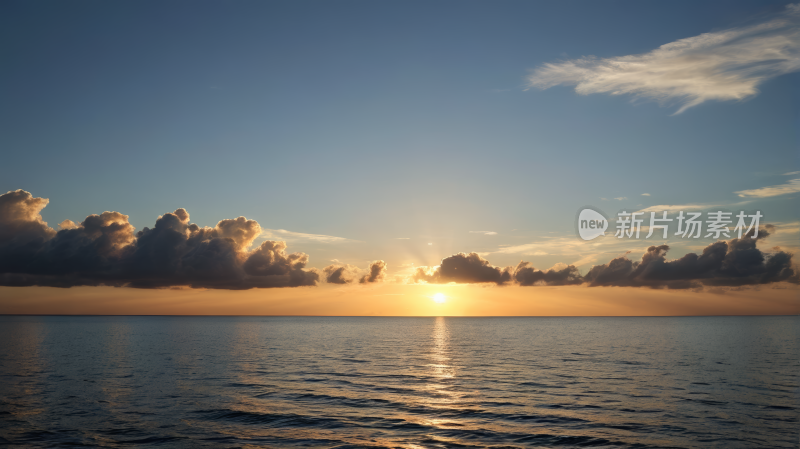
pixel 591 224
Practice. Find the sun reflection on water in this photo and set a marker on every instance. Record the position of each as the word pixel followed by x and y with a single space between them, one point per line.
pixel 440 353
pixel 442 372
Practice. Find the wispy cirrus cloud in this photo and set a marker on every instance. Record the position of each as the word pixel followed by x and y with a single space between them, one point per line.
pixel 722 65
pixel 483 232
pixel 677 207
pixel 290 235
pixel 673 208
pixel 571 248
pixel 792 186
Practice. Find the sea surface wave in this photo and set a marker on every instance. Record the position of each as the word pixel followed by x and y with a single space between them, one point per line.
pixel 339 382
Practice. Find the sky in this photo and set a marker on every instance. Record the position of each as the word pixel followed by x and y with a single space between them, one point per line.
pixel 401 132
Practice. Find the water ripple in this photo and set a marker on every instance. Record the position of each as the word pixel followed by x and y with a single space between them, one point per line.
pixel 399 382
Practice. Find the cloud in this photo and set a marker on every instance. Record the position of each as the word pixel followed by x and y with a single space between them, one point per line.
pixel 722 263
pixel 525 274
pixel 483 232
pixel 528 249
pixel 377 272
pixel 792 173
pixel 20 219
pixel 464 269
pixel 621 198
pixel 676 207
pixel 340 274
pixel 105 250
pixel 67 224
pixel 473 269
pixel 585 260
pixel 722 65
pixel 736 262
pixel 289 235
pixel 645 194
pixel 241 230
pixel 792 186
pixel 572 250
pixel 785 234
pixel 672 208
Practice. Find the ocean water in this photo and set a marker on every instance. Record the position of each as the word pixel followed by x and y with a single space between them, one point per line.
pixel 700 382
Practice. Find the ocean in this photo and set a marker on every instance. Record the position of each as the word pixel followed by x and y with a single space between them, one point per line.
pixel 339 382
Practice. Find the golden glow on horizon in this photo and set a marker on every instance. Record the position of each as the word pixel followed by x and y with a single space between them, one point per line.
pixel 439 298
pixel 390 299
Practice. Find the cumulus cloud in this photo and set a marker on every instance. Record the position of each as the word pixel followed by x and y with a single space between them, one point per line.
pixel 723 263
pixel 473 269
pixel 525 274
pixel 464 268
pixel 341 273
pixel 736 262
pixel 67 224
pixel 792 186
pixel 241 230
pixel 376 272
pixel 338 273
pixel 105 250
pixel 20 219
pixel 722 65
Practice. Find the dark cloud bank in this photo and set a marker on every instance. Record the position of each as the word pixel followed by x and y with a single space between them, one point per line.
pixel 724 263
pixel 105 250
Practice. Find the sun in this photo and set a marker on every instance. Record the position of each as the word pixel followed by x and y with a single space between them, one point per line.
pixel 439 298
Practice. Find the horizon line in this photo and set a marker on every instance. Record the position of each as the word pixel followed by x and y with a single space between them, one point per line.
pixel 393 316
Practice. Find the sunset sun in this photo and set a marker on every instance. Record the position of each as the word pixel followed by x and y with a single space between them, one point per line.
pixel 439 298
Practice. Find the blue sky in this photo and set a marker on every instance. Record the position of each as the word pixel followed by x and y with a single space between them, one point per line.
pixel 376 121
